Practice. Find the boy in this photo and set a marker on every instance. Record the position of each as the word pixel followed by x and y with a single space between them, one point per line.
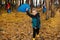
pixel 8 6
pixel 35 22
pixel 44 7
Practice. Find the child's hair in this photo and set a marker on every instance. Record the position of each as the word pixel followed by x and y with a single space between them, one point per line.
pixel 33 8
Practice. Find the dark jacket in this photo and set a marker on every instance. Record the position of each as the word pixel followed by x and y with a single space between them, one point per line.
pixel 35 20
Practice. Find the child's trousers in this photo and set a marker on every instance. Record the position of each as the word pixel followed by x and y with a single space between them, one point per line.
pixel 35 31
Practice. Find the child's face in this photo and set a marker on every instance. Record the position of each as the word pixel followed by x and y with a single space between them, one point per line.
pixel 34 12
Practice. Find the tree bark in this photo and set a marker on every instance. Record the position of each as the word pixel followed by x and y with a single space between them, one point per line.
pixel 52 8
pixel 47 12
pixel 59 3
pixel 31 4
pixel 22 1
pixel 36 3
pixel 27 1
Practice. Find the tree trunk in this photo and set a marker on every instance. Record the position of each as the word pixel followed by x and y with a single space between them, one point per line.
pixel 47 6
pixel 22 1
pixel 52 8
pixel 36 3
pixel 31 4
pixel 59 3
pixel 27 1
pixel 40 3
pixel 0 6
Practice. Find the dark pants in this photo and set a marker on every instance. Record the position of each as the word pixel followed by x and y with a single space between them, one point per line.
pixel 8 10
pixel 35 31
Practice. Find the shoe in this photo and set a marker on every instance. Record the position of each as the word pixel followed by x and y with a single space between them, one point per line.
pixel 37 35
pixel 33 39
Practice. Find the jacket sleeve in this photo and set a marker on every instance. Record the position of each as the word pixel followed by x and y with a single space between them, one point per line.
pixel 29 14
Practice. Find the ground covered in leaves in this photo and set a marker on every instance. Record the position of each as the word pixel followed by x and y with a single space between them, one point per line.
pixel 17 26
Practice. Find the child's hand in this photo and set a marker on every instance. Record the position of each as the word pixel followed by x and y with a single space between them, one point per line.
pixel 26 9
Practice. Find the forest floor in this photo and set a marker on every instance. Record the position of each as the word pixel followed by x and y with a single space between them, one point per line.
pixel 17 26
